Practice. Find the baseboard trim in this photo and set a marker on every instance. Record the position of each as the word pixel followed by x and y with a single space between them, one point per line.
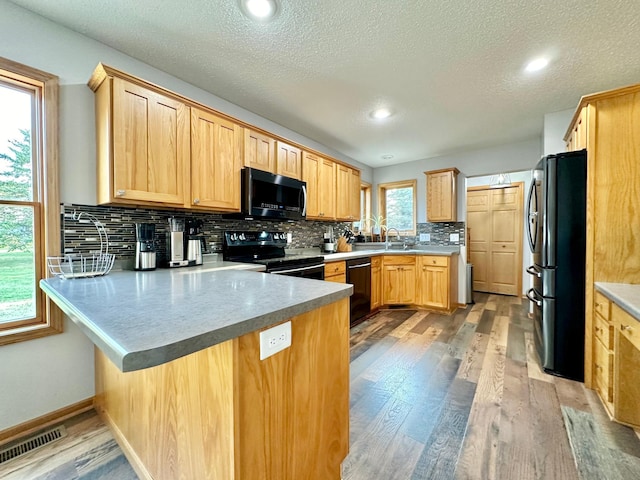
pixel 45 421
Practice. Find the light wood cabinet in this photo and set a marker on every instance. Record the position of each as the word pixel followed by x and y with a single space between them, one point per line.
pixel 335 272
pixel 216 160
pixel 348 194
pixel 437 282
pixel 142 145
pixel 608 125
pixel 320 175
pixel 376 283
pixel 441 195
pixel 259 151
pixel 399 280
pixel 288 160
pixel 627 367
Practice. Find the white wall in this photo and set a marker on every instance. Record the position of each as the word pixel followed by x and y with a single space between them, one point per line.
pixel 527 258
pixel 555 126
pixel 40 376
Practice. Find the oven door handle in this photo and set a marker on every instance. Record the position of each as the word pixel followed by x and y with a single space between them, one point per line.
pixel 301 269
pixel 531 296
pixel 532 270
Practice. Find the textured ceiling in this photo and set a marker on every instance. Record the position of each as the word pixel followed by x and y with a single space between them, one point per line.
pixel 452 71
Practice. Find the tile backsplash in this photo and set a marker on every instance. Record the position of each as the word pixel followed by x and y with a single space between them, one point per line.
pixel 82 238
pixel 440 233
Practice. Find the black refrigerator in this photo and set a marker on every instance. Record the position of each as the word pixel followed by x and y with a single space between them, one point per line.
pixel 556 217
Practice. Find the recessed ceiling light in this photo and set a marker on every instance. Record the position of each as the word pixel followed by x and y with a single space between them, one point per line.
pixel 381 113
pixel 259 9
pixel 537 64
pixel 387 157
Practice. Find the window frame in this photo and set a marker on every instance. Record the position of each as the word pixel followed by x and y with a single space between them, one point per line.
pixel 365 223
pixel 46 196
pixel 382 201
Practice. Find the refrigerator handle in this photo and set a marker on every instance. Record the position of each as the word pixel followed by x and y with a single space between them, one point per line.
pixel 530 296
pixel 532 218
pixel 532 270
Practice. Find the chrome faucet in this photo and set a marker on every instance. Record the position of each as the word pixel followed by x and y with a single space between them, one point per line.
pixel 387 242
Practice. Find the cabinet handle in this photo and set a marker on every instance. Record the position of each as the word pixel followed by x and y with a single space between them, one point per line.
pixel 598 329
pixel 120 193
pixel 626 328
pixel 598 367
pixel 434 261
pixel 196 201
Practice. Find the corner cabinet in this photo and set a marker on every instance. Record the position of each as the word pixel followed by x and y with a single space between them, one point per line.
pixel 142 145
pixel 216 160
pixel 441 195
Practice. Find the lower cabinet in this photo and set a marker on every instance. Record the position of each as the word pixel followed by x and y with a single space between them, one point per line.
pixel 335 272
pixel 399 279
pixel 376 283
pixel 626 378
pixel 433 282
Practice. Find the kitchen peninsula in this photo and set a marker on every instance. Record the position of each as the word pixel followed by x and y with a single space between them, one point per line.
pixel 179 378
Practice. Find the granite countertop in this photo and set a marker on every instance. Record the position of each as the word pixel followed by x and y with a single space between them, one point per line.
pixel 373 252
pixel 144 319
pixel 625 295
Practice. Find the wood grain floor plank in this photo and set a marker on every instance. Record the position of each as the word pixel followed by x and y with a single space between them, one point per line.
pixel 460 342
pixel 486 321
pixel 553 455
pixel 533 367
pixel 516 348
pixel 440 455
pixel 406 326
pixel 478 456
pixel 360 363
pixel 572 394
pixel 471 362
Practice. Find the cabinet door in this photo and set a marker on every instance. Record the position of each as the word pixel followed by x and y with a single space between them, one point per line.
pixel 327 191
pixel 288 160
pixel 343 186
pixel 376 294
pixel 216 161
pixel 627 367
pixel 441 195
pixel 259 151
pixel 311 175
pixel 150 145
pixel 399 284
pixel 433 283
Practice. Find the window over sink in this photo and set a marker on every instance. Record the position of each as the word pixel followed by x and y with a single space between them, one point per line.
pixel 397 204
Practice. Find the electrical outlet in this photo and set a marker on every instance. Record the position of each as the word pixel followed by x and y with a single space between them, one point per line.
pixel 454 237
pixel 275 340
pixel 425 237
pixel 289 237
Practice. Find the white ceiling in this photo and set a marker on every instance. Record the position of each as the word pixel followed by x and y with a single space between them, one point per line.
pixel 451 70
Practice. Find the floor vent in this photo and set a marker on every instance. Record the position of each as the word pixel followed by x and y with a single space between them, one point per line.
pixel 32 443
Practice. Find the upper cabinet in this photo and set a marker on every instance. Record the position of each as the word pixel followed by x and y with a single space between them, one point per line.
pixel 142 145
pixel 259 151
pixel 288 160
pixel 348 194
pixel 577 136
pixel 441 195
pixel 320 175
pixel 216 160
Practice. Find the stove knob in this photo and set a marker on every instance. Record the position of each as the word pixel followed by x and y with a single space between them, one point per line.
pixel 234 237
pixel 242 237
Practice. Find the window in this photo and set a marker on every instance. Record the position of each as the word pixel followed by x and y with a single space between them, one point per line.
pixel 398 205
pixel 30 226
pixel 364 225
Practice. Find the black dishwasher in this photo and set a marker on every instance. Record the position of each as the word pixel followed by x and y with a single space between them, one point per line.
pixel 359 275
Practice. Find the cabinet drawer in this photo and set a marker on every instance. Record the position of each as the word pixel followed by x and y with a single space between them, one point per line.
pixel 603 331
pixel 603 369
pixel 602 305
pixel 435 261
pixel 399 260
pixel 334 268
pixel 338 278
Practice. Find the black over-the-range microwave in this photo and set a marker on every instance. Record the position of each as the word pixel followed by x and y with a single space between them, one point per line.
pixel 272 196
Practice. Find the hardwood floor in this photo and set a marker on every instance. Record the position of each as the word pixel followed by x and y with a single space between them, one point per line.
pixel 432 397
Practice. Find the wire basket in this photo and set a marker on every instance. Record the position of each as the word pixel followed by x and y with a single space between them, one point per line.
pixel 83 266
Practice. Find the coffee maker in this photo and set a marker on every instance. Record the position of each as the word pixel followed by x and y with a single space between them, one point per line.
pixel 176 243
pixel 195 242
pixel 145 247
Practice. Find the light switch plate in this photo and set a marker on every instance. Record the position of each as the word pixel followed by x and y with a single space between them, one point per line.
pixel 289 237
pixel 275 340
pixel 425 237
pixel 454 237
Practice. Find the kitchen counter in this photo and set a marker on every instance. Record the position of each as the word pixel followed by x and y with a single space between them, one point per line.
pixel 373 252
pixel 626 295
pixel 143 319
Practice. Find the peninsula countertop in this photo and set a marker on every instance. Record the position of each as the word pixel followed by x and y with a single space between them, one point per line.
pixel 627 296
pixel 363 250
pixel 144 319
